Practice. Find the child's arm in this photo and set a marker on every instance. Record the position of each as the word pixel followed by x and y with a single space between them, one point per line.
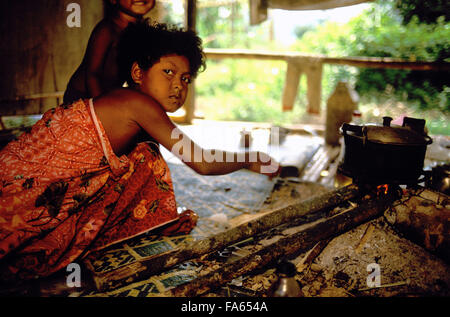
pixel 154 120
pixel 99 44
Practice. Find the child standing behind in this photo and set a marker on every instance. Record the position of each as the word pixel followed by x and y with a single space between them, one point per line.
pixel 98 71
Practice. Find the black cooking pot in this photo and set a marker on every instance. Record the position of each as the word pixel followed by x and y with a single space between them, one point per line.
pixel 385 154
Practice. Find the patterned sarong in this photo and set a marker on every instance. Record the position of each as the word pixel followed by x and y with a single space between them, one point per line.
pixel 63 193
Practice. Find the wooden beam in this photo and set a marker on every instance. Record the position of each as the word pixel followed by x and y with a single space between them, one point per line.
pixel 370 62
pixel 190 21
pixel 291 83
pixel 314 85
pixel 389 63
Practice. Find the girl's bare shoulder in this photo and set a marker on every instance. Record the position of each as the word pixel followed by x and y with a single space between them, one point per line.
pixel 130 103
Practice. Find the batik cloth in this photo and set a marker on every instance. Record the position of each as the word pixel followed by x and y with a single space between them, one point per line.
pixel 63 193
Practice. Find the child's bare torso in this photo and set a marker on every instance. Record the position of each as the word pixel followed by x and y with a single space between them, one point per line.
pixel 108 74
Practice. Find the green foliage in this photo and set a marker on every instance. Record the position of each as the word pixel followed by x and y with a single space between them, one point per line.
pixel 426 11
pixel 226 94
pixel 302 29
pixel 379 32
pixel 252 90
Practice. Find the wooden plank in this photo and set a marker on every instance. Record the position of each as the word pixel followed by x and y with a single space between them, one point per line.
pixel 293 75
pixel 320 162
pixel 332 170
pixel 371 62
pixel 314 85
pixel 389 63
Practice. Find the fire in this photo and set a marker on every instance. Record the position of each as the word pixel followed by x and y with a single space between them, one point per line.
pixel 383 189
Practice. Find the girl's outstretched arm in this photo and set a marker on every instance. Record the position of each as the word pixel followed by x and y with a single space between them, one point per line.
pixel 153 119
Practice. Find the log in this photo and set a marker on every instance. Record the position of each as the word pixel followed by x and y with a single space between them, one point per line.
pixel 423 216
pixel 302 240
pixel 155 264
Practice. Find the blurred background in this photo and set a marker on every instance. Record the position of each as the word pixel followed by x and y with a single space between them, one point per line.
pixel 40 52
pixel 251 90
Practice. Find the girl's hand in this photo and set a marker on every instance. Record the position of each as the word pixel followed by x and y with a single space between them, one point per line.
pixel 184 225
pixel 265 164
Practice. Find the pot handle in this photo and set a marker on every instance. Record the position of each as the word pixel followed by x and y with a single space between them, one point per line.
pixel 350 127
pixel 428 140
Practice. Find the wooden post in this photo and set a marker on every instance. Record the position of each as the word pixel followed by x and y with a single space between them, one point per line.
pixel 190 20
pixel 314 84
pixel 293 75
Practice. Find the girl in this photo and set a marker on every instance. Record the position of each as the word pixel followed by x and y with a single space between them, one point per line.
pixel 90 174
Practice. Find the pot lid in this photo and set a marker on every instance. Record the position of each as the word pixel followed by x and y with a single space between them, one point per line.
pixel 393 135
pixel 411 133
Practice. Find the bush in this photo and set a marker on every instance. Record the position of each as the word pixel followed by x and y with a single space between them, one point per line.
pixel 252 90
pixel 384 35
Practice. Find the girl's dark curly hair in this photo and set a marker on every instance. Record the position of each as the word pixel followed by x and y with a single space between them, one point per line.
pixel 145 43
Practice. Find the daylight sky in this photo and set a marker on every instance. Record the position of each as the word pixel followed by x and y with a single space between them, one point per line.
pixel 286 21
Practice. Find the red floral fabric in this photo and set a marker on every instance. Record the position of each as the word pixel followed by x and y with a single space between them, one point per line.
pixel 63 193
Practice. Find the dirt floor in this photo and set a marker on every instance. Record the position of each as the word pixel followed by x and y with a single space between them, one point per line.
pixel 341 269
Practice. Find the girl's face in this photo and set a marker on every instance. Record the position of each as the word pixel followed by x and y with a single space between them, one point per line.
pixel 167 81
pixel 135 8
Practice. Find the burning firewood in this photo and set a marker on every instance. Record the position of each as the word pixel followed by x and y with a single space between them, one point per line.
pixel 155 264
pixel 289 242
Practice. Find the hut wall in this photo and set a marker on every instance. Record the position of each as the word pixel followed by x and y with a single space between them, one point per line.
pixel 40 51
